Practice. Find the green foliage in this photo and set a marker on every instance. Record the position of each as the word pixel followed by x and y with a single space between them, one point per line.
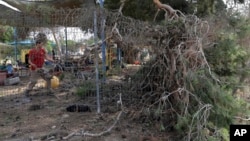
pixel 182 124
pixel 224 108
pixel 6 34
pixel 22 32
pixel 115 70
pixel 61 76
pixel 224 133
pixel 5 51
pixel 224 104
pixel 239 1
pixel 227 59
pixel 235 20
pixel 220 7
pixel 210 7
pixel 183 5
pixel 146 9
pixel 49 46
pixel 230 55
pixel 71 45
pixel 234 56
pixel 221 134
pixel 90 41
pixel 86 88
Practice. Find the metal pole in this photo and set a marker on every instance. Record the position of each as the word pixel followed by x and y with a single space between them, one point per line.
pixel 66 42
pixel 103 43
pixel 15 36
pixel 119 56
pixel 96 65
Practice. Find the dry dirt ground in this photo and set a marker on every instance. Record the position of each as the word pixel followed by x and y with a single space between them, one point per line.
pixel 44 117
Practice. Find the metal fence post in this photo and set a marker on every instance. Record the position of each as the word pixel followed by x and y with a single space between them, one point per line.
pixel 103 42
pixel 96 66
pixel 66 42
pixel 15 36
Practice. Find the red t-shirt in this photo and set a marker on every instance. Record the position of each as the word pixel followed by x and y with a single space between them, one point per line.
pixel 37 57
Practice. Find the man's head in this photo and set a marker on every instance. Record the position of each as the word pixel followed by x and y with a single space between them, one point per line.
pixel 41 38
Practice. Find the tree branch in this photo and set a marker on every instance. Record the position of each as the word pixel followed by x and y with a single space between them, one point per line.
pixel 170 12
pixel 82 133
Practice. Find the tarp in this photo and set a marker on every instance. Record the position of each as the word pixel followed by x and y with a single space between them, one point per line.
pixel 23 42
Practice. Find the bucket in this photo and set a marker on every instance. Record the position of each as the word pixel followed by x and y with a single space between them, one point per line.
pixel 54 82
pixel 3 76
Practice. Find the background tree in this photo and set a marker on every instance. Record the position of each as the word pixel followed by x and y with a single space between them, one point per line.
pixel 145 10
pixel 6 34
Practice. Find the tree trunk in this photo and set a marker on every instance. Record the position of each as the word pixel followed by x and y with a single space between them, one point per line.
pixel 58 43
pixel 169 11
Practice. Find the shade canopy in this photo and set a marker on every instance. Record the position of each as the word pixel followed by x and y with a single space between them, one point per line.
pixel 23 42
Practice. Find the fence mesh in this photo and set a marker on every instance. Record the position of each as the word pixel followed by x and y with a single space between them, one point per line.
pixel 76 59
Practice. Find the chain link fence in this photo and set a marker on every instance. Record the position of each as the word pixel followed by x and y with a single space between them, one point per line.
pixel 78 53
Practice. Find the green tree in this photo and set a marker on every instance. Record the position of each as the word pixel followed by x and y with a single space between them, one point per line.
pixel 71 45
pixel 145 9
pixel 142 10
pixel 50 46
pixel 233 44
pixel 6 34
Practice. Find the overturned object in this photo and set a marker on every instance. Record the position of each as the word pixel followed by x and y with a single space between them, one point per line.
pixel 11 81
pixel 78 108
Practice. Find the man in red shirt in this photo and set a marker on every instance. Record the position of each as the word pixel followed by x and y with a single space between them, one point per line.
pixel 37 56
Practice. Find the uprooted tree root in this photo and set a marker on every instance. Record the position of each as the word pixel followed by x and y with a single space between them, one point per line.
pixel 162 83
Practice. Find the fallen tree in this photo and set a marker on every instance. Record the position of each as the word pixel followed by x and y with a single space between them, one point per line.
pixel 176 88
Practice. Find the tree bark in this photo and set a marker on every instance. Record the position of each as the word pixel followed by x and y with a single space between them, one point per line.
pixel 57 42
pixel 170 12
